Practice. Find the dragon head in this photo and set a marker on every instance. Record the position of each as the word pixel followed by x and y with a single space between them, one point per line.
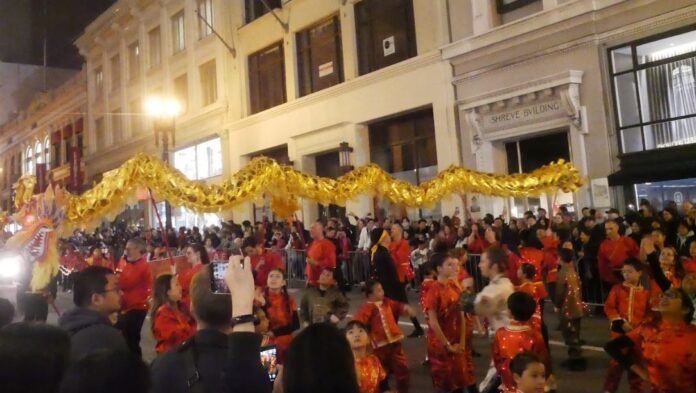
pixel 37 242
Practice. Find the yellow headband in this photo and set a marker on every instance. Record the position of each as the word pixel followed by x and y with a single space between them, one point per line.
pixel 373 249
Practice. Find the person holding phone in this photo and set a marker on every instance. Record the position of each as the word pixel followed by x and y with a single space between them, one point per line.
pixel 224 354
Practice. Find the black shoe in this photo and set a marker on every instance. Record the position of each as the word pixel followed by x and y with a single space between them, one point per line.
pixel 475 354
pixel 425 363
pixel 416 333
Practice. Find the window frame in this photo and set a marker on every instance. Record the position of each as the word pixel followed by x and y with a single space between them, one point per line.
pixel 252 16
pixel 204 71
pixel 178 30
pixel 369 53
pixel 253 109
pixel 300 53
pixel 195 147
pixel 635 69
pixel 208 14
pixel 133 65
pixel 502 8
pixel 155 53
pixel 115 70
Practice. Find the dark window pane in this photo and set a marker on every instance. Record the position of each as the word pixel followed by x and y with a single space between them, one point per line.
pixel 404 143
pixel 266 78
pixel 539 151
pixel 386 33
pixel 513 162
pixel 319 57
pixel 255 9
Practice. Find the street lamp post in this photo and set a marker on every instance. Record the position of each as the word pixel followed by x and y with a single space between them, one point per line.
pixel 163 111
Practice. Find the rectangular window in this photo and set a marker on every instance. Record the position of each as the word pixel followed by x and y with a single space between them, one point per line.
pixel 98 82
pixel 505 6
pixel 267 78
pixel 205 14
pixel 201 161
pixel 385 33
pixel 178 32
pixel 208 78
pixel 133 60
pixel 319 59
pixel 255 9
pixel 654 91
pixel 115 72
pixel 116 127
pixel 155 40
pixel 99 135
pixel 181 91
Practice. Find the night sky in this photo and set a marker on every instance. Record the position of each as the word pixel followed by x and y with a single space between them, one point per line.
pixel 22 24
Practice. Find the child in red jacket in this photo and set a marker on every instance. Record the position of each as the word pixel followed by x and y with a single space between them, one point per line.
pixel 171 324
pixel 379 313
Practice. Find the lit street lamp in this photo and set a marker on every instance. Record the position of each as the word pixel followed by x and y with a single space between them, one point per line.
pixel 163 111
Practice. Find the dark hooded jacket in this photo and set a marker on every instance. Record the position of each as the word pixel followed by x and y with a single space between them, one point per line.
pixel 90 331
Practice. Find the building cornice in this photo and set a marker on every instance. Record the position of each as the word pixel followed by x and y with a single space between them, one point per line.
pixel 589 21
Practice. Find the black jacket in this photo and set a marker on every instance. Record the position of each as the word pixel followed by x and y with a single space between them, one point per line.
pixel 385 273
pixel 90 331
pixel 226 363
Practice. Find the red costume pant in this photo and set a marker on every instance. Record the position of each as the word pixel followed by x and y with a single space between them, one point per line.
pixel 450 371
pixel 393 360
pixel 614 373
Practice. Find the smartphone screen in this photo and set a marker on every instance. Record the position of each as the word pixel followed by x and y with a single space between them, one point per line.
pixel 269 361
pixel 217 277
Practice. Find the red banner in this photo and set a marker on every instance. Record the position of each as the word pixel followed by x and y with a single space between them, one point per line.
pixel 40 178
pixel 75 169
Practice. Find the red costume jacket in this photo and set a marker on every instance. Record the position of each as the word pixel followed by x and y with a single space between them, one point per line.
pixel 450 371
pixel 629 303
pixel 384 329
pixel 135 281
pixel 280 310
pixel 324 252
pixel 103 262
pixel 370 373
pixel 534 257
pixel 263 264
pixel 171 327
pixel 611 257
pixel 689 265
pixel 537 291
pixel 550 258
pixel 401 255
pixel 511 340
pixel 668 352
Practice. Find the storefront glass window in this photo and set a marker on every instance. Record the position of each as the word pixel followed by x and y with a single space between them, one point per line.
pixel 201 161
pixel 659 193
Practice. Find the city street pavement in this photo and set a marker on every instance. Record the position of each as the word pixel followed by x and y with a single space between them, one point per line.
pixel 594 332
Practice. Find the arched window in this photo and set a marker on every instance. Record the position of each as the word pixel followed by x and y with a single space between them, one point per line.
pixel 38 152
pixel 47 153
pixel 29 161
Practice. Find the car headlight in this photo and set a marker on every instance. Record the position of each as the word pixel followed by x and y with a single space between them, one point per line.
pixel 10 266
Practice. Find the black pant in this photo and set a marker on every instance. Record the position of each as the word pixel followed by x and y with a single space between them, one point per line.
pixel 130 324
